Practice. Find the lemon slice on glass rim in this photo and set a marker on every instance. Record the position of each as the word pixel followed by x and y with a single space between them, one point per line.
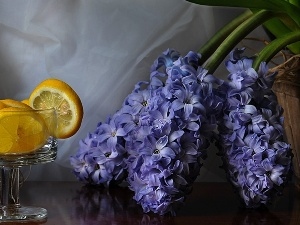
pixel 55 93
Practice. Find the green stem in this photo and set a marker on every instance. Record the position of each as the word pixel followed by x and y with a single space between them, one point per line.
pixel 236 36
pixel 278 29
pixel 210 46
pixel 274 5
pixel 295 2
pixel 275 46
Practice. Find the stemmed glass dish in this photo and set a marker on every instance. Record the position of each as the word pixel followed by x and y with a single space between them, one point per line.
pixel 27 137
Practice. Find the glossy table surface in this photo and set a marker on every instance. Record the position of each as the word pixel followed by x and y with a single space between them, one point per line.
pixel 71 203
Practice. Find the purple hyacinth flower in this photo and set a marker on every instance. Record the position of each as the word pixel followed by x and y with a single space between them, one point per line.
pixel 255 156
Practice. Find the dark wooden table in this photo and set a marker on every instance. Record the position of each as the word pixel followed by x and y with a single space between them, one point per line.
pixel 70 203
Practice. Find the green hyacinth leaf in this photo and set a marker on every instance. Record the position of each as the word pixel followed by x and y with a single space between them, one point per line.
pixel 282 6
pixel 268 52
pixel 279 29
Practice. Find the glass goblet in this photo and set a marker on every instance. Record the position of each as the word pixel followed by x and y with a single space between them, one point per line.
pixel 26 138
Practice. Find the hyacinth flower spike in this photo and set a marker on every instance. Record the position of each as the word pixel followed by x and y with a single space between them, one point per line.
pixel 251 137
pixel 163 167
pixel 256 158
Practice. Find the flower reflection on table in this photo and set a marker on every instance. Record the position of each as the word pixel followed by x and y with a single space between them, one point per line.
pixel 92 205
pixel 275 213
pixel 256 217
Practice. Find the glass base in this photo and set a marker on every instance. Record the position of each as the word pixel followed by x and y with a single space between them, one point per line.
pixel 23 213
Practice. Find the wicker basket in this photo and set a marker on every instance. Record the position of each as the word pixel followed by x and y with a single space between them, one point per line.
pixel 287 90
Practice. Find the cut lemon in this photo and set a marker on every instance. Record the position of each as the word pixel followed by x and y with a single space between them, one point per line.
pixel 2 105
pixel 54 93
pixel 14 103
pixel 26 101
pixel 21 131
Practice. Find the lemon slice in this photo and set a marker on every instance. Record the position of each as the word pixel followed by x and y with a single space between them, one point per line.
pixel 2 105
pixel 21 131
pixel 54 93
pixel 14 103
pixel 25 101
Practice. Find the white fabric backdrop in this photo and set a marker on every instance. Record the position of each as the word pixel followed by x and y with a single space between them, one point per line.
pixel 101 48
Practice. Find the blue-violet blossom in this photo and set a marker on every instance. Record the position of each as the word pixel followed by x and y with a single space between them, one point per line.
pixel 158 139
pixel 159 136
pixel 255 155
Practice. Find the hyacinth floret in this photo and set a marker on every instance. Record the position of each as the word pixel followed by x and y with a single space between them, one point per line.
pixel 255 155
pixel 100 158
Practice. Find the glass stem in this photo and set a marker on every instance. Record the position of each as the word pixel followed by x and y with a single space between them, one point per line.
pixel 10 186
